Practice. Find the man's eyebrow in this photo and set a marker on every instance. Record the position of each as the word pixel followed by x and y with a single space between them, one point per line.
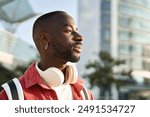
pixel 65 25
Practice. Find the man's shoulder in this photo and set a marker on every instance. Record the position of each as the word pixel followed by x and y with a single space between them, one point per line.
pixel 27 76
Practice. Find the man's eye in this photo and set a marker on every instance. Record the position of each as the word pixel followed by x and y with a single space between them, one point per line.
pixel 69 31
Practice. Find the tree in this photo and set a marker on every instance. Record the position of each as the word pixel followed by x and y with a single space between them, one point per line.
pixel 5 74
pixel 19 70
pixel 102 74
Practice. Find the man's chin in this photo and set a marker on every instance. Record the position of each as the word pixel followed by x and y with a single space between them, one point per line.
pixel 75 59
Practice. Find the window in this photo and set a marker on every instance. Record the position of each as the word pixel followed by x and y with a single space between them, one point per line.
pixel 105 5
pixel 105 18
pixel 133 11
pixel 124 48
pixel 105 33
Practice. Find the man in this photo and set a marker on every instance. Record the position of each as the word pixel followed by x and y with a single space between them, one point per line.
pixel 52 78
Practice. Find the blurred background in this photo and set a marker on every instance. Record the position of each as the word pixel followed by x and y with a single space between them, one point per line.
pixel 115 61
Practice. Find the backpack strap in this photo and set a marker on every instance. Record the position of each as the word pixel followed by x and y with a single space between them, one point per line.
pixel 85 93
pixel 13 89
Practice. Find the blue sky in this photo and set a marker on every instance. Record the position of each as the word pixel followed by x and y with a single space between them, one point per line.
pixel 24 30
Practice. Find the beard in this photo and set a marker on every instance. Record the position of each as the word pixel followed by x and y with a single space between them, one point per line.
pixel 64 52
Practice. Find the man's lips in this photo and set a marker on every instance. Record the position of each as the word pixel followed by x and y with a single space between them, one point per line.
pixel 77 48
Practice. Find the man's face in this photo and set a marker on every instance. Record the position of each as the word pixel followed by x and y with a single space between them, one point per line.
pixel 66 41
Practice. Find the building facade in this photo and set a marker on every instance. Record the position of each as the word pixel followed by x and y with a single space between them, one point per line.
pixel 121 27
pixel 125 31
pixel 14 51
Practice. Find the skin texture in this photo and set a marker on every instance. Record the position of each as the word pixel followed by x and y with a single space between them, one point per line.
pixel 58 42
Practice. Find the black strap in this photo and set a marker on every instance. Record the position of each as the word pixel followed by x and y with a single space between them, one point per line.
pixel 13 90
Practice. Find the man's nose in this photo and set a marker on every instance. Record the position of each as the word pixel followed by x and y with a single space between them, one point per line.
pixel 78 36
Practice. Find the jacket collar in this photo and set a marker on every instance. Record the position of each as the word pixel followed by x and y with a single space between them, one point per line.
pixel 32 77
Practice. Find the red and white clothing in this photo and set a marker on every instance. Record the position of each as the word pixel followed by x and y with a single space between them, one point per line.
pixel 34 88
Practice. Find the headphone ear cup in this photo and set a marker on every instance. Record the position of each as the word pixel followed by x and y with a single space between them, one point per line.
pixel 53 77
pixel 71 74
pixel 75 74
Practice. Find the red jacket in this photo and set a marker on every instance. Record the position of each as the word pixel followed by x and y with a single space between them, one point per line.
pixel 35 89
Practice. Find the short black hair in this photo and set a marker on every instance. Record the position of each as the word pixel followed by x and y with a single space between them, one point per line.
pixel 42 19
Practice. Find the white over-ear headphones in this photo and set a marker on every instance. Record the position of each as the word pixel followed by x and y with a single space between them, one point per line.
pixel 54 77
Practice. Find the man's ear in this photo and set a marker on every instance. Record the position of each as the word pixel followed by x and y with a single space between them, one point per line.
pixel 43 39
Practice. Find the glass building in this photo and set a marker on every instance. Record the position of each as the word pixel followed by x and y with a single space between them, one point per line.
pixel 13 11
pixel 125 31
pixel 14 51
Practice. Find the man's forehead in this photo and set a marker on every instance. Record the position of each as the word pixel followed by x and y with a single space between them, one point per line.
pixel 63 19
